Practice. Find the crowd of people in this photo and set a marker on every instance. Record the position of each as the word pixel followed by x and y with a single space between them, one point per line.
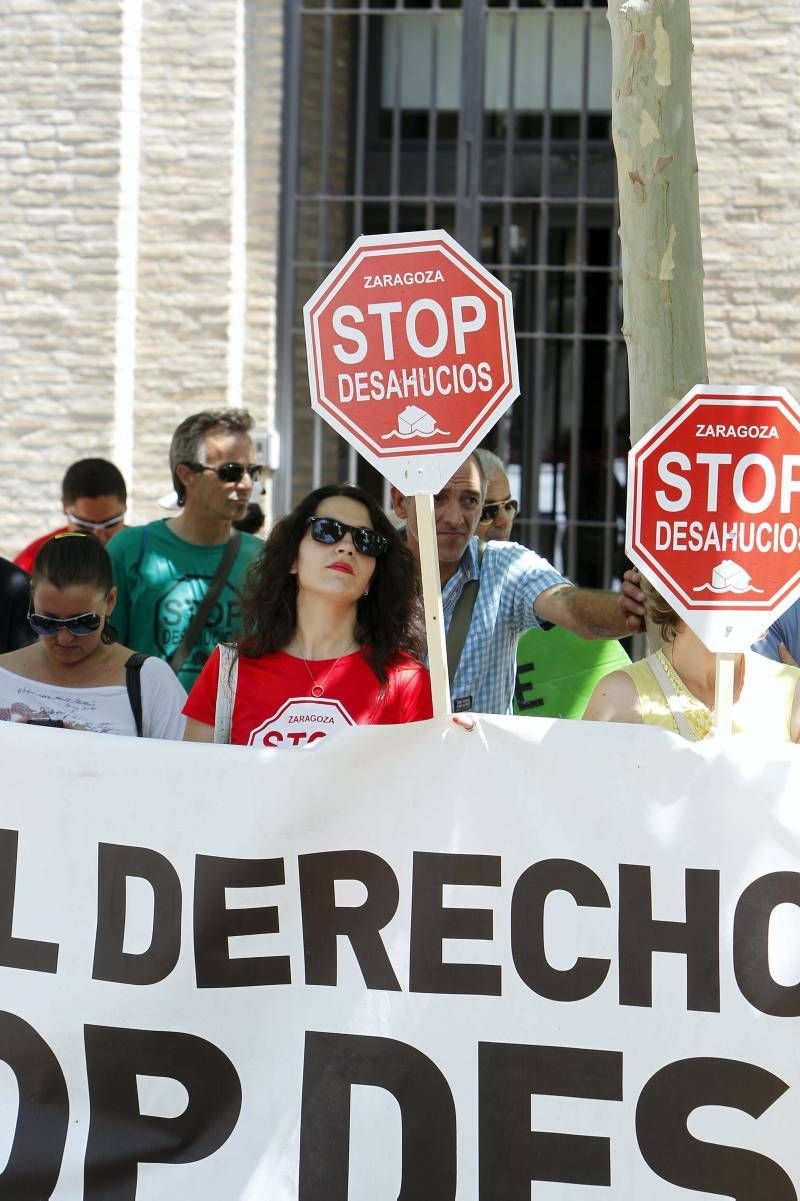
pixel 190 626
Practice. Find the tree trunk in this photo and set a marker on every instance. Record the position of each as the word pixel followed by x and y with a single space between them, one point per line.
pixel 662 258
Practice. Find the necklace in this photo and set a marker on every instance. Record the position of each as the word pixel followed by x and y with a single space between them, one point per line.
pixel 318 686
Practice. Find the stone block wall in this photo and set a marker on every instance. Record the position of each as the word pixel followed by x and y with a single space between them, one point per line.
pixel 59 189
pixel 185 165
pixel 747 126
pixel 139 198
pixel 263 74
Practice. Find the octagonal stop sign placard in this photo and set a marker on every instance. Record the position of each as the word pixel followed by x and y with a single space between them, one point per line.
pixel 411 354
pixel 714 510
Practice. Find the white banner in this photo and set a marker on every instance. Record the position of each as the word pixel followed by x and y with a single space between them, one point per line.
pixel 540 959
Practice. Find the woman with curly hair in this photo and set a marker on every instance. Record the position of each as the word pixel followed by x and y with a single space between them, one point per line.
pixel 333 633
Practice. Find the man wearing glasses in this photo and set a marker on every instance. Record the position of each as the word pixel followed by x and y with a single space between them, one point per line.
pixel 499 508
pixel 180 579
pixel 511 589
pixel 94 496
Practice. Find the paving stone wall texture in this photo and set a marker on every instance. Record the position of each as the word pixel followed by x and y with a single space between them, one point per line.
pixel 59 189
pixel 62 160
pixel 183 301
pixel 62 151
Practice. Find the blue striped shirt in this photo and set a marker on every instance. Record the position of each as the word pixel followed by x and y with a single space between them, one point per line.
pixel 511 577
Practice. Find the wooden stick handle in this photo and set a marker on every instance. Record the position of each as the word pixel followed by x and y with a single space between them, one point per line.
pixel 723 693
pixel 432 600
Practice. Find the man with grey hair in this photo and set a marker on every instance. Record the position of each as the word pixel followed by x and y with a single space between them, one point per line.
pixel 180 579
pixel 499 507
pixel 493 592
pixel 556 674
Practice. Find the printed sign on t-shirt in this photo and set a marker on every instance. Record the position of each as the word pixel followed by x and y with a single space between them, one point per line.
pixel 175 610
pixel 300 722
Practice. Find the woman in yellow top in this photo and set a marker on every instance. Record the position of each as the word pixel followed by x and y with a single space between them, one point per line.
pixel 674 688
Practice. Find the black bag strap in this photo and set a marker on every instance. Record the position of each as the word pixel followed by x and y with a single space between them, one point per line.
pixel 133 682
pixel 460 621
pixel 195 626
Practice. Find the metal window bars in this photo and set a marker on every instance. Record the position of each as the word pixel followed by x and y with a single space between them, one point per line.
pixel 491 119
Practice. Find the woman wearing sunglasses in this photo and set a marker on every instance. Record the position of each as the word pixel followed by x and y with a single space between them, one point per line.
pixel 333 632
pixel 75 675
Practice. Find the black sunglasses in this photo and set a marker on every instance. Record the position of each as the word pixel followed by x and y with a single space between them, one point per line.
pixel 230 473
pixel 329 531
pixel 490 511
pixel 80 625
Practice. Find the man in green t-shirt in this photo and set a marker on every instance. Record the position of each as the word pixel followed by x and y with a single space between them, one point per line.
pixel 163 570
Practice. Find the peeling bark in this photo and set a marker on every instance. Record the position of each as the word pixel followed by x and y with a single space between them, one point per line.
pixel 662 258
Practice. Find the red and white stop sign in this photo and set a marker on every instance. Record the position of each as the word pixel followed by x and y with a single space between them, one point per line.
pixel 714 510
pixel 411 354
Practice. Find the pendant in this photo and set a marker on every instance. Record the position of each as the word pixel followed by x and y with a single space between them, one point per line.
pixel 317 690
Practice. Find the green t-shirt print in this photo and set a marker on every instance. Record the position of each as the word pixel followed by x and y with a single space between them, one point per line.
pixel 161 580
pixel 174 610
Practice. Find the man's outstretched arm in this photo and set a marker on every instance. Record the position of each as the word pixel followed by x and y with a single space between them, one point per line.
pixel 591 613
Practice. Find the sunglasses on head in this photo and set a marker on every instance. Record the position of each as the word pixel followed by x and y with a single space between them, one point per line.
pixel 329 531
pixel 80 625
pixel 490 511
pixel 93 526
pixel 230 473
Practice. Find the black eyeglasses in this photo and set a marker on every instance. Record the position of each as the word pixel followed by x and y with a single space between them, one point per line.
pixel 230 473
pixel 329 531
pixel 80 625
pixel 490 511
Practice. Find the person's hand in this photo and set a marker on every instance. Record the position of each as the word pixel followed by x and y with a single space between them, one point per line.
pixel 464 720
pixel 631 601
pixel 785 655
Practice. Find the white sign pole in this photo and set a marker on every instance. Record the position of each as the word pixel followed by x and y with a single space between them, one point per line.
pixel 723 693
pixel 432 600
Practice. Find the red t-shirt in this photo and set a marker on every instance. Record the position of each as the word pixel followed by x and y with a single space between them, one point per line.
pixel 27 556
pixel 274 705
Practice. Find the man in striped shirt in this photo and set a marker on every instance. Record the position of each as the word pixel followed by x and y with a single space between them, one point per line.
pixel 517 590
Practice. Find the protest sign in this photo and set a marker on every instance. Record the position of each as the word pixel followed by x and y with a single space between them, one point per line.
pixel 540 952
pixel 412 359
pixel 714 510
pixel 714 517
pixel 411 354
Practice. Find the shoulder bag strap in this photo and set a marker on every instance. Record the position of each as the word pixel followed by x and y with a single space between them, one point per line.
pixel 192 633
pixel 226 691
pixel 133 683
pixel 671 696
pixel 460 621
